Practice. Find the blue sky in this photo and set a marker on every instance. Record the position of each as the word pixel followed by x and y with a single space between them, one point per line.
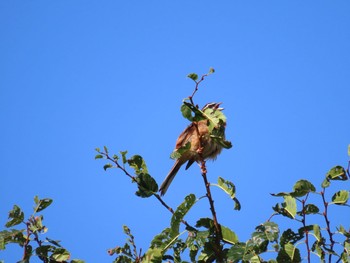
pixel 75 75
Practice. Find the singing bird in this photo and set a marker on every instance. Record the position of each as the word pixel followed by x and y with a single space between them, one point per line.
pixel 196 136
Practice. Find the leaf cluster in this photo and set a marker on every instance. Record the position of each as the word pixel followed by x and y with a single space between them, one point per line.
pixel 29 236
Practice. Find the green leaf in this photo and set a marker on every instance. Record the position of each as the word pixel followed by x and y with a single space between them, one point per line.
pixel 292 252
pixel 289 236
pixel 349 150
pixel 228 235
pixel 180 213
pixel 302 187
pixel 337 173
pixel 311 209
pixel 16 216
pixel 138 164
pixel 147 186
pixel 105 148
pixel 236 252
pixel 211 70
pixel 41 204
pixel 198 114
pixel 97 149
pixel 186 112
pixel 193 76
pixel 60 255
pixel 98 156
pixel 180 151
pixel 342 230
pixel 107 166
pixel 341 197
pixel 267 231
pixel 290 206
pixel 13 236
pixel 123 154
pixel 205 222
pixel 317 232
pixel 230 189
pixel 77 261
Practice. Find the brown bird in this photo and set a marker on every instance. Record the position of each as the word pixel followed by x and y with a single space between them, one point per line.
pixel 195 136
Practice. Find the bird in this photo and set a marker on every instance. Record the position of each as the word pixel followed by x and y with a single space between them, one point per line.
pixel 202 146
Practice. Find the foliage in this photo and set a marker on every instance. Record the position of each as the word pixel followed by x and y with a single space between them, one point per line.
pixel 206 240
pixel 29 237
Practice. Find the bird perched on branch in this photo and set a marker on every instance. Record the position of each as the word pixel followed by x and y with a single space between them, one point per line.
pixel 201 140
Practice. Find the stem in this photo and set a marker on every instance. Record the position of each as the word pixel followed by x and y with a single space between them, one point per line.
pixel 134 180
pixel 217 228
pixel 196 88
pixel 305 230
pixel 325 215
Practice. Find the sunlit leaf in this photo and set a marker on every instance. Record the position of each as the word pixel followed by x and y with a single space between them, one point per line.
pixel 341 197
pixel 290 206
pixel 230 189
pixel 228 235
pixel 302 187
pixel 180 213
pixel 60 255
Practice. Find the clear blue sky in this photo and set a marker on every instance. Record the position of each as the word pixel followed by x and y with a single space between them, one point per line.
pixel 75 75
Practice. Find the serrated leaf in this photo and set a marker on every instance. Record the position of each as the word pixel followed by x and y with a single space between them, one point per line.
pixel 180 213
pixel 147 186
pixel 193 76
pixel 16 216
pixel 341 197
pixel 107 166
pixel 228 235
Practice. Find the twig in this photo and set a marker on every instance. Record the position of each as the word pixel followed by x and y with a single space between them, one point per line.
pixel 328 228
pixel 196 87
pixel 304 225
pixel 133 178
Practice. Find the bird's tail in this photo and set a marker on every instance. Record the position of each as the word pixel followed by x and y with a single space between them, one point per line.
pixel 165 185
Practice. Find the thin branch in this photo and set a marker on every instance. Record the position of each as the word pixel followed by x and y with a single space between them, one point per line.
pixel 196 87
pixel 305 230
pixel 133 178
pixel 328 228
